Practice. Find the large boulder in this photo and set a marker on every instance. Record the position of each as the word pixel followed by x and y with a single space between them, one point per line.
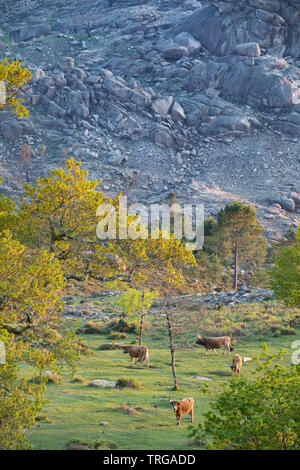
pixel 229 126
pixel 67 64
pixel 163 137
pixel 187 40
pixel 177 113
pixel 162 106
pixel 290 124
pixel 175 52
pixel 264 83
pixel 250 49
pixel 28 32
pixel 220 31
pixel 13 128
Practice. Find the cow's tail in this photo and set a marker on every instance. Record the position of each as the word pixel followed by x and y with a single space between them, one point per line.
pixel 147 358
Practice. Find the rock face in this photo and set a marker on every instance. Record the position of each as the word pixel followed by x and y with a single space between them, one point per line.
pixel 262 82
pixel 197 98
pixel 223 25
pixel 29 32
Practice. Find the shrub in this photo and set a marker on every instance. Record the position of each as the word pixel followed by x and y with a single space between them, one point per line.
pixel 48 377
pixel 121 325
pixel 43 418
pixel 117 335
pixel 92 329
pixel 108 346
pixel 259 414
pixel 124 382
pixel 78 444
pixel 81 380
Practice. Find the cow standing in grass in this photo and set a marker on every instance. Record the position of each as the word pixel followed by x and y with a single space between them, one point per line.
pixel 215 343
pixel 236 364
pixel 137 352
pixel 181 407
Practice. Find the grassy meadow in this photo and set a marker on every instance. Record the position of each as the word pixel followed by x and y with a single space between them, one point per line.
pixel 76 411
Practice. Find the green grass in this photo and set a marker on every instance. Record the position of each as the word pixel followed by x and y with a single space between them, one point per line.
pixel 75 410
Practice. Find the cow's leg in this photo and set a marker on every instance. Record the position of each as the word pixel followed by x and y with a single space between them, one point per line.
pixel 215 351
pixel 206 351
pixel 192 415
pixel 178 421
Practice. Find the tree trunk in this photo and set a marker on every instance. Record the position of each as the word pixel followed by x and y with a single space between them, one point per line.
pixel 142 321
pixel 236 261
pixel 172 349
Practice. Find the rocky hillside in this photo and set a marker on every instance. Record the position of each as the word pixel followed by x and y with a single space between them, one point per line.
pixel 197 98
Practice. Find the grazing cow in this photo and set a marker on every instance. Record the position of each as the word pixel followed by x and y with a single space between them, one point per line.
pixel 215 343
pixel 139 352
pixel 183 406
pixel 236 364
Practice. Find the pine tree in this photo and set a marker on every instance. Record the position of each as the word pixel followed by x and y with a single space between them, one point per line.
pixel 238 233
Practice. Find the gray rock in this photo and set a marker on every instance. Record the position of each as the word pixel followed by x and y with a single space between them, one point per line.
pixel 175 52
pixel 67 64
pixel 187 40
pixel 163 137
pixel 29 32
pixel 290 124
pixel 177 113
pixel 162 106
pixel 250 49
pixel 13 128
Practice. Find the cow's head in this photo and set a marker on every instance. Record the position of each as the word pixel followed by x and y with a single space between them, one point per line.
pixel 199 340
pixel 125 350
pixel 175 404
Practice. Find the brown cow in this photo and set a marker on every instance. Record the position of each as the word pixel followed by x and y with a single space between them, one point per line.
pixel 183 406
pixel 139 352
pixel 236 364
pixel 215 343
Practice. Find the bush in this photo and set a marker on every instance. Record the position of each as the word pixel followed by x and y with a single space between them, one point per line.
pixel 80 380
pixel 84 349
pixel 117 335
pixel 124 382
pixel 78 444
pixel 122 325
pixel 43 418
pixel 108 346
pixel 262 414
pixel 49 377
pixel 92 329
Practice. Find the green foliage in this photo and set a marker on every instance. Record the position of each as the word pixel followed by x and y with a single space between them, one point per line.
pixel 237 233
pixel 117 336
pixel 259 414
pixel 14 77
pixel 108 346
pixel 32 331
pixel 124 382
pixel 133 300
pixel 58 213
pixel 78 444
pixel 241 322
pixel 285 274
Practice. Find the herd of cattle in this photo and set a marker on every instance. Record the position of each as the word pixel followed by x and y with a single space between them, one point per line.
pixel 186 405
